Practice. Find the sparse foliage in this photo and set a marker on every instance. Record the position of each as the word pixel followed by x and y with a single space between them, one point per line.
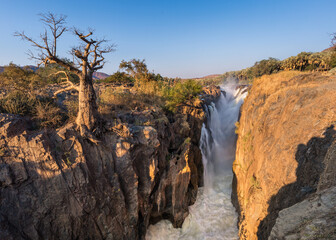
pixel 138 70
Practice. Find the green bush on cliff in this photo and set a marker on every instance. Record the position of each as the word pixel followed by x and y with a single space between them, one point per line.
pixel 307 61
pixel 24 94
pixel 260 68
pixel 119 78
pixel 180 93
pixel 266 67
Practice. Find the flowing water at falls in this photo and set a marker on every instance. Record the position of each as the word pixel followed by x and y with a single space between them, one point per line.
pixel 213 215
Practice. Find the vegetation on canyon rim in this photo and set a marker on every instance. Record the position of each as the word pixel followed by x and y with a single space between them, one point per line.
pixel 304 61
pixel 132 87
pixel 29 94
pixel 28 91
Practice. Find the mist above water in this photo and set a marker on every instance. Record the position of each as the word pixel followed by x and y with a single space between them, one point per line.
pixel 213 215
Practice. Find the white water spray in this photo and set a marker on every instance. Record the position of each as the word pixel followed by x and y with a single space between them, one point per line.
pixel 212 216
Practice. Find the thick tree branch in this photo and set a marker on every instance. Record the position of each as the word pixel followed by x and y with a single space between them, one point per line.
pixel 67 78
pixel 65 90
pixel 71 87
pixel 84 37
pixel 68 66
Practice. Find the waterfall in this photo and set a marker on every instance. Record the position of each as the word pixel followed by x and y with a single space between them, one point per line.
pixel 213 215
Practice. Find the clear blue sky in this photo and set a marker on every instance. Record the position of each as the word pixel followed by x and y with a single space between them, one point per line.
pixel 185 38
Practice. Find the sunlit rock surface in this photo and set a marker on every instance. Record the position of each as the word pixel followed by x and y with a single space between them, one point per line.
pixel 286 131
pixel 56 185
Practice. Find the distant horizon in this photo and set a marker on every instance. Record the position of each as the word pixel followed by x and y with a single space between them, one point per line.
pixel 186 39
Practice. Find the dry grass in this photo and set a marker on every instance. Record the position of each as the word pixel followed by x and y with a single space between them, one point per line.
pixel 48 115
pixel 120 98
pixel 151 88
pixel 17 103
pixel 274 81
pixel 72 109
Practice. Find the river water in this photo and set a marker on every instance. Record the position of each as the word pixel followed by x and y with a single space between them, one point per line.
pixel 213 215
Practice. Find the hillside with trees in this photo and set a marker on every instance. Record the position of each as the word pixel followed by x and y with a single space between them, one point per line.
pixel 304 61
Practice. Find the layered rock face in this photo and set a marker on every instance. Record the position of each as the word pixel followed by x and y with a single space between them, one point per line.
pixel 56 185
pixel 284 171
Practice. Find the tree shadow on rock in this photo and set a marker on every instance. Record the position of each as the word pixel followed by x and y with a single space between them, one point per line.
pixel 310 159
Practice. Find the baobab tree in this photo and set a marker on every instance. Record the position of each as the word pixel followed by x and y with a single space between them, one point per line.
pixel 89 56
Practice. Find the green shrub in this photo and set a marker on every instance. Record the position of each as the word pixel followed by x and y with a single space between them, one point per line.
pixel 265 67
pixel 180 93
pixel 49 74
pixel 119 78
pixel 304 61
pixel 307 61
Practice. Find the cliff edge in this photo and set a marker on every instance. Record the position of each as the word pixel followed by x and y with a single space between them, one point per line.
pixel 54 184
pixel 284 174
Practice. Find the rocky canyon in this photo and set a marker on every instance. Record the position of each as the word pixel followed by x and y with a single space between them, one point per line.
pixel 57 185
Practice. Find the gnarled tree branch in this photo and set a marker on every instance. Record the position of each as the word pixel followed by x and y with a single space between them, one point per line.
pixel 71 86
pixel 89 56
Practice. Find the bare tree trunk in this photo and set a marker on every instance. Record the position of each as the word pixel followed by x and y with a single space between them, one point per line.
pixel 88 111
pixel 89 56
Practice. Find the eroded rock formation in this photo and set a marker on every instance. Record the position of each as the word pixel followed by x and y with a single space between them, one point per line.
pixel 56 185
pixel 285 157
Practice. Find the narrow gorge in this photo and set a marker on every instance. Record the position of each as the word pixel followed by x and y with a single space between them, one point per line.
pixel 213 215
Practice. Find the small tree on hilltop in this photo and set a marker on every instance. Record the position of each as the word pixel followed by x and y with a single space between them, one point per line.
pixel 89 58
pixel 137 69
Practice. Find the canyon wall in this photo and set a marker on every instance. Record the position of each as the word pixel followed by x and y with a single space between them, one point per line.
pixel 54 184
pixel 284 171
